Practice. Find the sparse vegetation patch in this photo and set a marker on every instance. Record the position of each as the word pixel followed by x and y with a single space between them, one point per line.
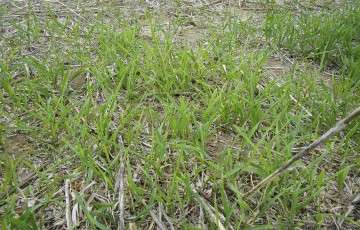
pixel 175 114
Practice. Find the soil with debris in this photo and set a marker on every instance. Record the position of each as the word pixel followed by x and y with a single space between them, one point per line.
pixel 197 16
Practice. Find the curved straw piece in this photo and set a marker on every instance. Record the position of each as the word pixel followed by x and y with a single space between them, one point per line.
pixel 334 130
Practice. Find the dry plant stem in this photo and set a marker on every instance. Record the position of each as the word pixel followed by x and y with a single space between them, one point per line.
pixel 213 216
pixel 121 196
pixel 160 225
pixel 166 216
pixel 211 3
pixel 219 219
pixel 337 128
pixel 208 209
pixel 121 187
pixel 351 208
pixel 67 204
pixel 201 216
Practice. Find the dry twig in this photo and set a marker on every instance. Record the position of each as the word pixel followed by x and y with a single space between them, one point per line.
pixel 212 215
pixel 337 128
pixel 351 208
pixel 121 197
pixel 161 206
pixel 209 210
pixel 156 219
pixel 67 204
pixel 121 188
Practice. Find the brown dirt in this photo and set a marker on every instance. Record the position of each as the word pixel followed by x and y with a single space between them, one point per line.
pixel 17 144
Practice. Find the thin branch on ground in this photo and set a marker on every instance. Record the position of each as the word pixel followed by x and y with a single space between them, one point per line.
pixel 121 188
pixel 67 205
pixel 209 210
pixel 337 128
pixel 121 196
pixel 351 208
pixel 155 218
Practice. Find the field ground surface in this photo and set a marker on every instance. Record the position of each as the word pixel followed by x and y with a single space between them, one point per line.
pixel 149 114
